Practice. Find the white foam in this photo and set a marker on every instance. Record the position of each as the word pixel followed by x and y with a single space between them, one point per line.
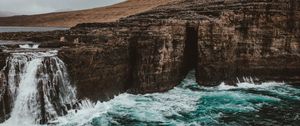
pixel 27 72
pixel 22 112
pixel 29 46
pixel 157 107
pixel 148 107
pixel 247 85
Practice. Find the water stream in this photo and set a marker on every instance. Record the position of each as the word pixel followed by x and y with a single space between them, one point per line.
pixel 39 87
pixel 40 92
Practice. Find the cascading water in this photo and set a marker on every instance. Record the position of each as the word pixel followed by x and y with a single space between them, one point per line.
pixel 29 46
pixel 39 87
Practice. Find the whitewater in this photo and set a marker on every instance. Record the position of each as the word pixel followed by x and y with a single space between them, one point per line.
pixel 38 87
pixel 33 80
pixel 189 104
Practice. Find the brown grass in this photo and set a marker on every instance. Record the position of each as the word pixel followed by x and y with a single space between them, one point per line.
pixel 69 19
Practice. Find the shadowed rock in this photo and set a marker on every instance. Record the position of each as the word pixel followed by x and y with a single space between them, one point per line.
pixel 223 40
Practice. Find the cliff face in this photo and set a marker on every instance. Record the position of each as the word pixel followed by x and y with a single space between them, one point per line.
pixel 258 39
pixel 100 70
pixel 236 39
pixel 223 40
pixel 4 98
pixel 118 57
pixel 157 53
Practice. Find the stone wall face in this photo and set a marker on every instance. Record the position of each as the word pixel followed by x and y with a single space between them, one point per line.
pixel 5 101
pixel 98 72
pixel 145 58
pixel 236 39
pixel 223 40
pixel 259 40
pixel 157 57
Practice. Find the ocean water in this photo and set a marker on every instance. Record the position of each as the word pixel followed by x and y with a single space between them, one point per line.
pixel 188 104
pixel 29 29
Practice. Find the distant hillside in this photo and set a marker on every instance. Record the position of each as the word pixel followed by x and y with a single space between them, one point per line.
pixel 69 19
pixel 5 14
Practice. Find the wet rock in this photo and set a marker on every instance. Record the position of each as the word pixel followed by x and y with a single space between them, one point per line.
pixel 239 39
pixel 223 40
pixel 157 53
pixel 4 98
pixel 98 72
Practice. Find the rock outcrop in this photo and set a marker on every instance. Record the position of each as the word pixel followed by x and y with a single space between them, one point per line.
pixel 4 99
pixel 99 71
pixel 223 40
pixel 238 39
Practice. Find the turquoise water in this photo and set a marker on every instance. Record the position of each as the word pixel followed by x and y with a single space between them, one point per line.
pixel 188 104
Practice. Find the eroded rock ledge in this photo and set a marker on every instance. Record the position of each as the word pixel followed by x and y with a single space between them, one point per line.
pixel 223 40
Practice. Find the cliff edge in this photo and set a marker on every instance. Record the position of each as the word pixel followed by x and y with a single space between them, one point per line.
pixel 71 18
pixel 222 40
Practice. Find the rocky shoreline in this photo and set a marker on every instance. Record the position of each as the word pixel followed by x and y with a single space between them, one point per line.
pixel 223 40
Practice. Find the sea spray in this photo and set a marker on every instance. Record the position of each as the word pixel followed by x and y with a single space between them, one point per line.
pixel 190 104
pixel 247 103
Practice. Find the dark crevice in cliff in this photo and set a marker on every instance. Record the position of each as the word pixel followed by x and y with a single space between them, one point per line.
pixel 190 59
pixel 132 63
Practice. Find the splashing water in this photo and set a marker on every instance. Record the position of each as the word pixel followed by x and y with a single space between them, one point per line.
pixel 38 84
pixel 39 88
pixel 29 46
pixel 189 104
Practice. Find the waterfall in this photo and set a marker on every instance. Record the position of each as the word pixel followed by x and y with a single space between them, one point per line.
pixel 29 46
pixel 39 87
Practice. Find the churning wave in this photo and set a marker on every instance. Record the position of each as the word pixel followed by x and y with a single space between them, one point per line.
pixel 189 104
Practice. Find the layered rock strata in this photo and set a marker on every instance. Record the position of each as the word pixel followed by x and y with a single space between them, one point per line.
pixel 240 39
pixel 223 40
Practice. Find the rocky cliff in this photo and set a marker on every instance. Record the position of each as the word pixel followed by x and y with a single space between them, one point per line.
pixel 4 99
pixel 223 40
pixel 236 38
